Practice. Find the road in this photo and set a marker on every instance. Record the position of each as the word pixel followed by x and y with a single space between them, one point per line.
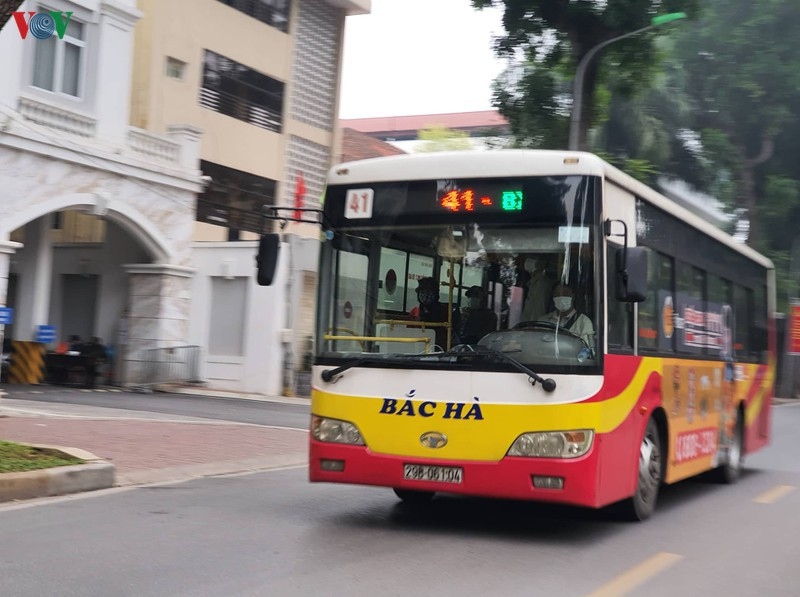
pixel 272 533
pixel 223 409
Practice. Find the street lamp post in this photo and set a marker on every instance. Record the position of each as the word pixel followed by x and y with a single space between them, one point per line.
pixel 577 94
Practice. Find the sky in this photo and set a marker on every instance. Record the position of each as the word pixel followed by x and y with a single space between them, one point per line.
pixel 419 57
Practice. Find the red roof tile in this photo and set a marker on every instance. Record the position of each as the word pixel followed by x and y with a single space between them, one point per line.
pixel 458 120
pixel 359 146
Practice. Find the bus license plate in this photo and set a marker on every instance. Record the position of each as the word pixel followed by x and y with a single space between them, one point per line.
pixel 440 474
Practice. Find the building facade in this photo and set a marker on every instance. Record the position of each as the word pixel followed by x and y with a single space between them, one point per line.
pixel 486 129
pixel 260 79
pixel 139 152
pixel 95 215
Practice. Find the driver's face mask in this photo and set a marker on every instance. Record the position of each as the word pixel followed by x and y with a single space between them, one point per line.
pixel 563 303
pixel 474 302
pixel 427 297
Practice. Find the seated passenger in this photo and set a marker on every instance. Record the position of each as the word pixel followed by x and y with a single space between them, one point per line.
pixel 477 320
pixel 567 317
pixel 431 310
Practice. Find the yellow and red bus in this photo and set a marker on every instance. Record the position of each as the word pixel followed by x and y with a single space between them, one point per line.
pixel 671 377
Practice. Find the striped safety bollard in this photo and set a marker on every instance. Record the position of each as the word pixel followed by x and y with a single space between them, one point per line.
pixel 27 363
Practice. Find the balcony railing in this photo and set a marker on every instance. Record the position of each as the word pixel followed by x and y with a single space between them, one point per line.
pixel 154 147
pixel 57 118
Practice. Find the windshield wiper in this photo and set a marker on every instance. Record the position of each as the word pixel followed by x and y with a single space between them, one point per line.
pixel 548 385
pixel 328 374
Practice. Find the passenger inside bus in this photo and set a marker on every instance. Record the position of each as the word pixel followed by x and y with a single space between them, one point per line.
pixel 477 319
pixel 431 310
pixel 566 316
pixel 538 289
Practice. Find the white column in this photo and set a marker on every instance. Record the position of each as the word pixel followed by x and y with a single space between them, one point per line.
pixel 7 249
pixel 159 302
pixel 35 275
pixel 189 138
pixel 114 68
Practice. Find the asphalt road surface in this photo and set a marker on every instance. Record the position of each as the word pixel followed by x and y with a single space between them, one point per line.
pixel 273 533
pixel 223 409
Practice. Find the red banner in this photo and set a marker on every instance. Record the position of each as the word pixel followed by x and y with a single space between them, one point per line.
pixel 793 329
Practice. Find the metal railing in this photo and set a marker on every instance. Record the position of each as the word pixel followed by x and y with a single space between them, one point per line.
pixel 172 365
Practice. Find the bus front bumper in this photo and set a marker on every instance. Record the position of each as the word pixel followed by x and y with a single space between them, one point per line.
pixel 566 481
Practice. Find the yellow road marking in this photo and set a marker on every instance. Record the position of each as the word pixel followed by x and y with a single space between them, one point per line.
pixel 638 575
pixel 774 494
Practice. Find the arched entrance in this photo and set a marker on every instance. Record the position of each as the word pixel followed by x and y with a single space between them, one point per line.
pixel 89 266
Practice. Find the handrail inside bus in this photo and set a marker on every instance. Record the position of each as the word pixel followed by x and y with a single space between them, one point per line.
pixel 414 323
pixel 361 339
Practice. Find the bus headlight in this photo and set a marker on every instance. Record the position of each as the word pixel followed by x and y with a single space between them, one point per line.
pixel 553 444
pixel 335 431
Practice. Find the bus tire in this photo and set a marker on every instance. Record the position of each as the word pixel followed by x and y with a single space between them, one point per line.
pixel 650 468
pixel 414 497
pixel 731 470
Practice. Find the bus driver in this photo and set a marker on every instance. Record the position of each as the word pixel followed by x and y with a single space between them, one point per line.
pixel 566 316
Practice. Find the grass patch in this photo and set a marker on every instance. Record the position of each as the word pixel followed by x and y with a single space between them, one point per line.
pixel 15 458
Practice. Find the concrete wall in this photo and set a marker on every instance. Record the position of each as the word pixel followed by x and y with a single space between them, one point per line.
pixel 276 317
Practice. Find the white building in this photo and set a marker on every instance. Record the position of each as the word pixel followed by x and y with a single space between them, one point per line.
pixel 145 235
pixel 96 217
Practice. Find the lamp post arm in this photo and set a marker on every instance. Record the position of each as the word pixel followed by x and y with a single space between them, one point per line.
pixel 577 94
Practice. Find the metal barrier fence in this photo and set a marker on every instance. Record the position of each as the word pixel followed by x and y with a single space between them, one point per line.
pixel 176 364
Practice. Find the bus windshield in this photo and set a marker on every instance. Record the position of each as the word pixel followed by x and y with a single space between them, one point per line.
pixel 430 270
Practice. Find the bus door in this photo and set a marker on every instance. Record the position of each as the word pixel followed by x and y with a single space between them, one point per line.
pixel 353 295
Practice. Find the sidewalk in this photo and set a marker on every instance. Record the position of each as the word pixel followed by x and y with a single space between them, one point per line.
pixel 148 447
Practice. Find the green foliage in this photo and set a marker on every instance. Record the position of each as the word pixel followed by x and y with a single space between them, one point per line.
pixel 641 170
pixel 536 118
pixel 547 39
pixel 17 458
pixel 440 138
pixel 715 102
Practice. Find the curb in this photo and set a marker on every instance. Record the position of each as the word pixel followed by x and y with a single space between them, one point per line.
pixel 59 480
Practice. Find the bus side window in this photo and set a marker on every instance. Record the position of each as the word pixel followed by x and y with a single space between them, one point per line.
pixel 742 308
pixel 760 335
pixel 620 315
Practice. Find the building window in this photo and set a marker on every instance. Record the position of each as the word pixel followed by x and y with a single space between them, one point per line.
pixel 271 12
pixel 235 199
pixel 58 64
pixel 235 90
pixel 174 68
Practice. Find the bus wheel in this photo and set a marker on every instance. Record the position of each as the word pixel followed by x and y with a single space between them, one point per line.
pixel 643 502
pixel 411 496
pixel 730 471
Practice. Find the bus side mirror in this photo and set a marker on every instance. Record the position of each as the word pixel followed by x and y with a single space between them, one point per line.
pixel 631 274
pixel 267 259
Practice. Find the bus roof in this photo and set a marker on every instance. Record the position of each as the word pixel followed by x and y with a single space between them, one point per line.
pixel 519 162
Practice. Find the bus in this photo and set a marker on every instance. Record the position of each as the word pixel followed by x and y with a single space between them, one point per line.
pixel 670 376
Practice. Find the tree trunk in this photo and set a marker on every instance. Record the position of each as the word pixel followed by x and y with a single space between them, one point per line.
pixel 746 192
pixel 587 107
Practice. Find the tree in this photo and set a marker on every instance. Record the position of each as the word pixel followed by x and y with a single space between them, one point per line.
pixel 547 39
pixel 441 138
pixel 743 78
